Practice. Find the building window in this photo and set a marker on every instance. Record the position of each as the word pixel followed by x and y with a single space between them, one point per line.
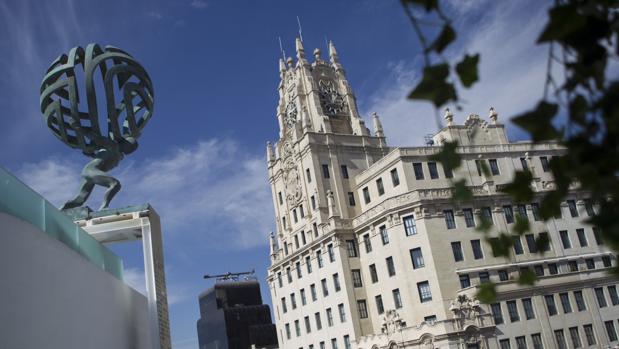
pixel 325 289
pixel 288 331
pixel 418 170
pixel 545 163
pixel 494 167
pixel 536 215
pixel 344 171
pixel 319 258
pixel 281 199
pixel 543 241
pixel 301 212
pixel 598 238
pixel 550 304
pixel 284 306
pixel 552 269
pixel 410 227
pixel 606 262
pixel 336 282
pixel 582 238
pixel 530 239
pixel 367 243
pixel 477 251
pixel 308 175
pixel 308 328
pixel 347 342
pixel 432 169
pixel 575 336
pixel 329 317
pixel 572 206
pixel 289 275
pixel 425 294
pixel 610 330
pixel 363 308
pixel 315 228
pixel 390 266
pixel 528 308
pixel 308 264
pixel 303 239
pixel 397 299
pixel 465 281
pixel 318 321
pixel 504 344
pixel 590 263
pixel 486 215
pixel 537 341
pixel 298 267
pixel 456 248
pixel 331 253
pixel 380 308
pixel 497 314
pixel 340 308
pixel 395 179
pixel 521 342
pixel 573 265
pixel 560 338
pixel 380 187
pixel 313 292
pixel 322 345
pixel 565 239
pixel 539 270
pixel 296 241
pixel 325 171
pixel 589 207
pixel 512 309
pixel 333 343
pixel 373 273
pixel 468 217
pixel 523 163
pixel 351 248
pixel 589 334
pixel 384 236
pixel 565 303
pixel 293 301
pixel 279 279
pixel 356 278
pixel 522 211
pixel 284 222
pixel 483 277
pixel 503 275
pixel 447 171
pixel 366 195
pixel 614 297
pixel 449 219
pixel 580 301
pixel 517 245
pixel 417 258
pixel 351 198
pixel 509 214
pixel 431 319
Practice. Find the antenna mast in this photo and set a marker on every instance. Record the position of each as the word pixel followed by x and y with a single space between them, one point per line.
pixel 281 48
pixel 300 31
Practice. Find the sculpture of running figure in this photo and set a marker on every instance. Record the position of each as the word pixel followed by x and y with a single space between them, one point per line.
pixel 60 104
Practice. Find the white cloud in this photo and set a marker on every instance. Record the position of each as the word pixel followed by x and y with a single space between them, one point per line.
pixel 213 189
pixel 154 15
pixel 199 4
pixel 512 72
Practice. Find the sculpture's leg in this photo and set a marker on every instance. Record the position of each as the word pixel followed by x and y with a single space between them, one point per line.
pixel 113 186
pixel 83 194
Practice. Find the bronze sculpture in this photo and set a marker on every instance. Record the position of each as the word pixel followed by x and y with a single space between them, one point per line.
pixel 78 124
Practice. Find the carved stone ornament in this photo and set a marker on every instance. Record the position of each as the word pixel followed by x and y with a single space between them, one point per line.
pixel 391 322
pixel 465 307
pixel 290 117
pixel 331 100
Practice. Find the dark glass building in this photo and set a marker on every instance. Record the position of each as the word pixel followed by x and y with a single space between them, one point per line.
pixel 232 316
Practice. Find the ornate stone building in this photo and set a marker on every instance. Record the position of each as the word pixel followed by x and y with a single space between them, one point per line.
pixel 371 252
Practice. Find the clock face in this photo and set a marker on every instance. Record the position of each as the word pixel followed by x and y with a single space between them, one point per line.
pixel 332 101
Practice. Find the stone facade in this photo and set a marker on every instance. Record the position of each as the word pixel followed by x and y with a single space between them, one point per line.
pixel 371 252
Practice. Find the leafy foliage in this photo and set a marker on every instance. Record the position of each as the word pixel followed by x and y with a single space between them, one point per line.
pixel 579 109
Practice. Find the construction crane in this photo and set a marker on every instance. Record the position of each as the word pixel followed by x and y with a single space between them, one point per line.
pixel 231 276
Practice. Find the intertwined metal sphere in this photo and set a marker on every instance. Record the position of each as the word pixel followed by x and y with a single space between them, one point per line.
pixel 124 89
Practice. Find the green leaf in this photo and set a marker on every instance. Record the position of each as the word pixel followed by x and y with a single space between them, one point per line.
pixel 501 245
pixel 446 37
pixel 461 193
pixel 487 292
pixel 448 156
pixel 522 225
pixel 564 20
pixel 433 86
pixel 520 188
pixel 550 205
pixel 467 70
pixel 542 243
pixel 484 225
pixel 527 277
pixel 578 110
pixel 427 4
pixel 538 122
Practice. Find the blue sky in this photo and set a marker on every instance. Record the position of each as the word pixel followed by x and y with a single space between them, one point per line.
pixel 213 63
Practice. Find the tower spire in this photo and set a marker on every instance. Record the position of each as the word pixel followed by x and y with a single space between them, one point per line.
pixel 378 127
pixel 270 156
pixel 333 53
